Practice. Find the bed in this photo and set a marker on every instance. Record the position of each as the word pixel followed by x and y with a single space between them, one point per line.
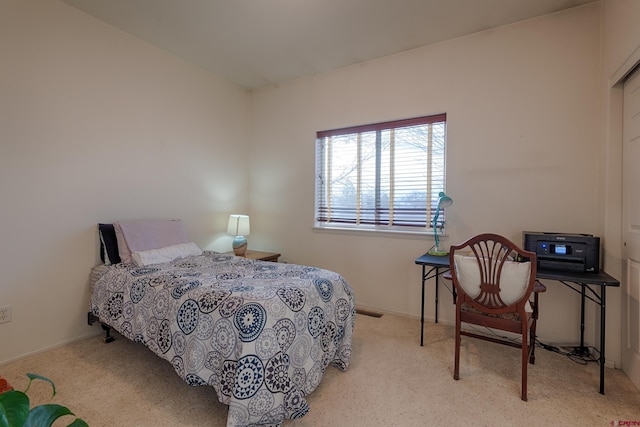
pixel 260 333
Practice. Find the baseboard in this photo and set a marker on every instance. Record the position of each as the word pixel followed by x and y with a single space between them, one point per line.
pixel 52 347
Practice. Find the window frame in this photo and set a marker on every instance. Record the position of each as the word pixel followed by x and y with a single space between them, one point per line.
pixel 432 194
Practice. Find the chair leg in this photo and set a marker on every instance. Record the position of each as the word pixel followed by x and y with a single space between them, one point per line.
pixel 532 343
pixel 456 363
pixel 525 357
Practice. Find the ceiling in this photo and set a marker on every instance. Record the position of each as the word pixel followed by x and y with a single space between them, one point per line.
pixel 257 43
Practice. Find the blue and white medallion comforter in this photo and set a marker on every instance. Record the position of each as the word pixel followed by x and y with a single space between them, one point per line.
pixel 261 333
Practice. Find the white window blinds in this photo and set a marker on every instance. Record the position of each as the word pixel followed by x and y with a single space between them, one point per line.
pixel 381 175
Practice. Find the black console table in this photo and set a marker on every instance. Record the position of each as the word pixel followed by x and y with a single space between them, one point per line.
pixel 586 284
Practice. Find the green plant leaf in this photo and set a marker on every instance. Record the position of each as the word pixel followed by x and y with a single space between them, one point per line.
pixel 40 377
pixel 14 408
pixel 78 423
pixel 45 415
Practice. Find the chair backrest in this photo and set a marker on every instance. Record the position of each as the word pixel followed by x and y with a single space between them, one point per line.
pixel 492 273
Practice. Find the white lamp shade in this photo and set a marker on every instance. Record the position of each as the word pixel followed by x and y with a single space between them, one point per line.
pixel 238 225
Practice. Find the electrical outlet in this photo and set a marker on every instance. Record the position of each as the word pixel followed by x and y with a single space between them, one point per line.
pixel 5 314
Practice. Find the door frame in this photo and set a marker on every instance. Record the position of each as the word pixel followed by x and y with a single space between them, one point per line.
pixel 613 197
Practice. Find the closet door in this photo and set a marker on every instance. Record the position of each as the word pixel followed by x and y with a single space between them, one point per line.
pixel 631 228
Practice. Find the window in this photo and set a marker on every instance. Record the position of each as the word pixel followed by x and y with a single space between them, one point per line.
pixel 383 176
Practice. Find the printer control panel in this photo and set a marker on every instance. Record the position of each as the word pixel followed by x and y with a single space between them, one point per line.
pixel 546 248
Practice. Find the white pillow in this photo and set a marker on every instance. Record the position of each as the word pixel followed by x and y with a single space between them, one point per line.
pixel 166 254
pixel 514 280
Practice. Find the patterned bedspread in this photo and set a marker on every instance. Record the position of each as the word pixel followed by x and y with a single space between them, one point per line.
pixel 261 333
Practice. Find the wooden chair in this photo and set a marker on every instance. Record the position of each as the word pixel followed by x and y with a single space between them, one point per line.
pixel 494 280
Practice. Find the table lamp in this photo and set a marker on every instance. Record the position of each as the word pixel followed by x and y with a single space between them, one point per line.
pixel 444 201
pixel 239 227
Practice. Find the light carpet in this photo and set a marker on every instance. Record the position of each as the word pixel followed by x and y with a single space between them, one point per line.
pixel 391 381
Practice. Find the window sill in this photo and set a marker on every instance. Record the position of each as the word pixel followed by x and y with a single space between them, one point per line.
pixel 380 232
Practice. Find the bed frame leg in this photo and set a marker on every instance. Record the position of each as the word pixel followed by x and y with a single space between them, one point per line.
pixel 91 319
pixel 107 338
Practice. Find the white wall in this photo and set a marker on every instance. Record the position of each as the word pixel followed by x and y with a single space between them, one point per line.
pixel 98 126
pixel 523 106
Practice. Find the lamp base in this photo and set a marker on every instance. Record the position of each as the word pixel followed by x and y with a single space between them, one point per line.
pixel 438 253
pixel 239 245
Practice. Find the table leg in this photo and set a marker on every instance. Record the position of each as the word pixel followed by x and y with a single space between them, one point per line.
pixel 437 286
pixel 582 302
pixel 422 310
pixel 603 312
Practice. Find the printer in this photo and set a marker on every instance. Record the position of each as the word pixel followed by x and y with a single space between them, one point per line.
pixel 564 251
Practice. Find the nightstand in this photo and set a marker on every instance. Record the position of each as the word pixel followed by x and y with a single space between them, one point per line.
pixel 262 256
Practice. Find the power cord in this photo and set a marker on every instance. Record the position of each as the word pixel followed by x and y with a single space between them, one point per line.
pixel 578 355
